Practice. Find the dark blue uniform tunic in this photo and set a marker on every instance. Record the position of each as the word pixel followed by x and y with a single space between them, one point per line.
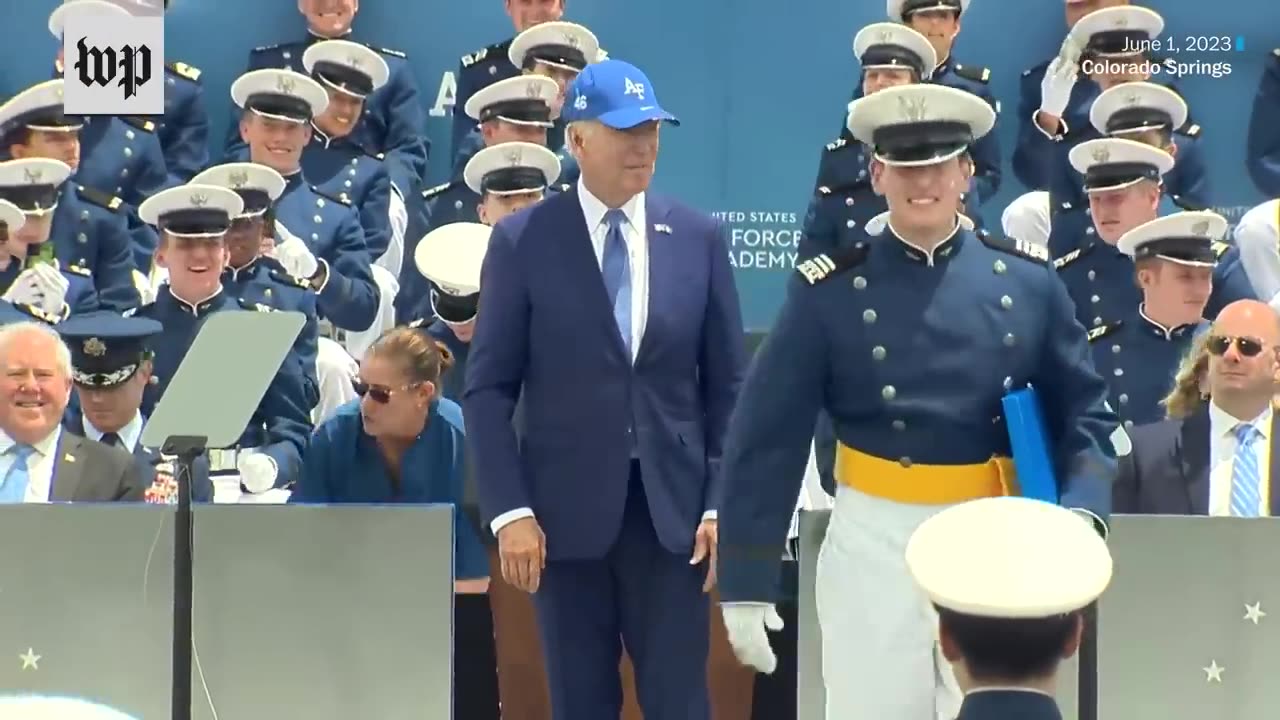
pixel 1262 149
pixel 1138 358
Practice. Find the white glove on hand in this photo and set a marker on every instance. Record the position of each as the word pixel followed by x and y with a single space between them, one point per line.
pixel 257 471
pixel 746 625
pixel 52 286
pixel 296 258
pixel 23 289
pixel 1055 88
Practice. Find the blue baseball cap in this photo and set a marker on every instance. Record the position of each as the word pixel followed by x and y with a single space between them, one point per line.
pixel 617 94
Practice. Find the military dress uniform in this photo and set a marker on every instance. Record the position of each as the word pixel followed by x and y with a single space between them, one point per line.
pixel 1262 148
pixel 911 353
pixel 1007 596
pixel 268 453
pixel 1134 108
pixel 1098 276
pixel 476 71
pixel 449 258
pixel 393 123
pixel 331 251
pixel 569 170
pixel 184 130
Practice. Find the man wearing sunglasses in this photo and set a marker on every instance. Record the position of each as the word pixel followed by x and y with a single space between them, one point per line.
pixel 1138 355
pixel 1123 181
pixel 1220 459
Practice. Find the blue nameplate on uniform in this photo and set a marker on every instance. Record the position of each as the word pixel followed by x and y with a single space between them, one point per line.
pixel 1029 442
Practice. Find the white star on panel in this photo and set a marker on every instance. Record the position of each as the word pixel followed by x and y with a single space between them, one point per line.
pixel 1214 672
pixel 29 660
pixel 1253 613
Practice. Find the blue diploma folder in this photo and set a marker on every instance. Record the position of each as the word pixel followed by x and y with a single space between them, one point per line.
pixel 1029 442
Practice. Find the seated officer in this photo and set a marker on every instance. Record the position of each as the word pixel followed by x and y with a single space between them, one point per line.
pixel 260 279
pixel 1008 612
pixel 30 272
pixel 1122 180
pixel 844 199
pixel 499 180
pixel 450 258
pixel 554 50
pixel 89 228
pixel 183 132
pixel 193 221
pixel 393 122
pixel 1262 149
pixel 321 238
pixel 1138 355
pixel 111 366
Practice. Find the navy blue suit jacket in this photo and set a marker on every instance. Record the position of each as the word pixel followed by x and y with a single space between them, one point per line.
pixel 1168 471
pixel 547 329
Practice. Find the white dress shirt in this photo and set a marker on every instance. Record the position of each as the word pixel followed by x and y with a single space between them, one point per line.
pixel 130 434
pixel 1222 454
pixel 40 465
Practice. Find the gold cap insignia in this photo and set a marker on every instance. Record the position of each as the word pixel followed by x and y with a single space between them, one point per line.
pixel 32 177
pixel 1101 155
pixel 284 84
pixel 913 109
pixel 94 347
pixel 239 179
pixel 533 91
pixel 199 199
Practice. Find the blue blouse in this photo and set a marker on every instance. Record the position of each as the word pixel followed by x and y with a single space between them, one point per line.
pixel 343 465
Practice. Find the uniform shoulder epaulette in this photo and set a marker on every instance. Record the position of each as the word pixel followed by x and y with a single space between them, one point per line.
pixel 99 198
pixel 1067 259
pixel 970 72
pixel 1101 331
pixel 420 322
pixel 1021 248
pixel 255 306
pixel 385 51
pixel 184 70
pixel 78 270
pixel 1189 129
pixel 340 199
pixel 839 143
pixel 285 278
pixel 497 49
pixel 1220 248
pixel 38 313
pixel 821 267
pixel 438 189
pixel 266 48
pixel 139 122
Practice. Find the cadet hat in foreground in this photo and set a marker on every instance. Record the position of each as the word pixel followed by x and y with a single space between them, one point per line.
pixel 1009 557
pixel 920 124
pixel 1186 238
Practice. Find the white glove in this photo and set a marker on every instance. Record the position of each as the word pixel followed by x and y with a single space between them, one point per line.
pixel 296 258
pixel 257 471
pixel 746 625
pixel 23 289
pixel 1055 88
pixel 53 286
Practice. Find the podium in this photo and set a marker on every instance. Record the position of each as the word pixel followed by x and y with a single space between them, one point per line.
pixel 321 612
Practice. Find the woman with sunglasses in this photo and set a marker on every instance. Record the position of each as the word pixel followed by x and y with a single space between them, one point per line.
pixel 402 442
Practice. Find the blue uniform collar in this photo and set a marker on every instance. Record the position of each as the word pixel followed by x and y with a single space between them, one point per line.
pixel 323 139
pixel 246 269
pixel 292 180
pixel 1027 704
pixel 199 308
pixel 314 37
pixel 1155 329
pixel 942 250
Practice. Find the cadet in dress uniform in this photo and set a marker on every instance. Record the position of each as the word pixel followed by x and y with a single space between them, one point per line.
pixel 557 51
pixel 909 341
pixel 89 228
pixel 261 279
pixel 320 235
pixel 111 365
pixel 1142 112
pixel 490 64
pixel 31 272
pixel 11 221
pixel 450 258
pixel 843 199
pixel 497 181
pixel 1262 149
pixel 193 220
pixel 393 123
pixel 1139 354
pixel 1257 237
pixel 1122 179
pixel 1008 612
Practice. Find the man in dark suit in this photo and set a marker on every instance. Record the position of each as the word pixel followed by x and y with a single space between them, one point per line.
pixel 1008 612
pixel 613 313
pixel 1221 458
pixel 39 461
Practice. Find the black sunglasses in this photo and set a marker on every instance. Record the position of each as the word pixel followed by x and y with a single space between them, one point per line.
pixel 1246 346
pixel 379 395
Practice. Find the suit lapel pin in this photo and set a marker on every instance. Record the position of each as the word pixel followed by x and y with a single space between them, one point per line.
pixel 664 229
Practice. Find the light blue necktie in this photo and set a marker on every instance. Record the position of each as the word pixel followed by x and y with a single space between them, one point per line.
pixel 13 489
pixel 617 274
pixel 1245 497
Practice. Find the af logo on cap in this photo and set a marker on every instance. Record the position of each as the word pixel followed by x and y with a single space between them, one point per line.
pixel 633 88
pixel 913 109
pixel 1101 155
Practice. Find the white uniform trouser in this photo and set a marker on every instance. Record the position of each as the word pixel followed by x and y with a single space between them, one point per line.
pixel 336 370
pixel 880 657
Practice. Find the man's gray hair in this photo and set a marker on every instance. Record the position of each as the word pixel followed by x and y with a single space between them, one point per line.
pixel 578 126
pixel 62 353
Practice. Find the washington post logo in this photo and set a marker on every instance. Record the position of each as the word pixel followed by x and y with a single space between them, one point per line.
pixel 113 59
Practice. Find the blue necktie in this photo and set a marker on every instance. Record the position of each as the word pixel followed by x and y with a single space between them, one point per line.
pixel 13 489
pixel 617 274
pixel 1245 494
pixel 111 439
